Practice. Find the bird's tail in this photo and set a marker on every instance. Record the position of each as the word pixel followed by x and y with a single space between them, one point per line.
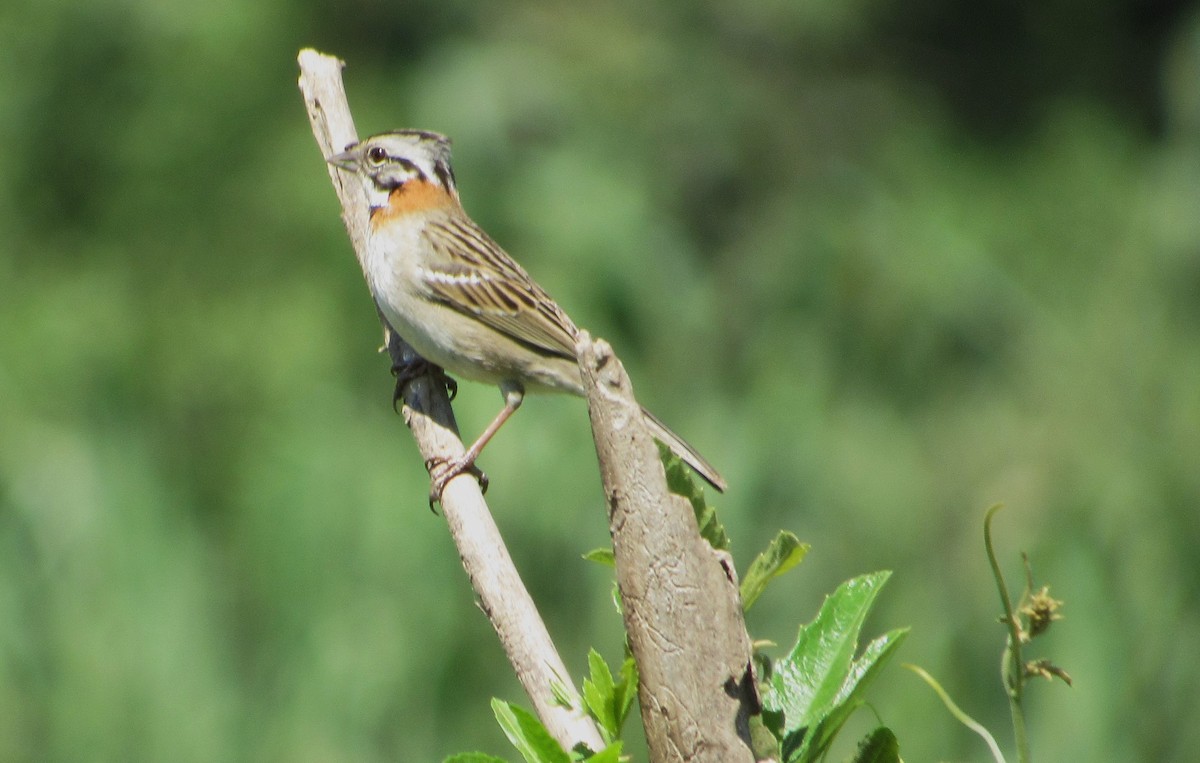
pixel 686 452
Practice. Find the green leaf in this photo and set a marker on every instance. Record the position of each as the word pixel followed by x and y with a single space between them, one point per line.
pixel 601 556
pixel 610 754
pixel 791 744
pixel 820 684
pixel 861 674
pixel 807 680
pixel 608 700
pixel 528 734
pixel 773 720
pixel 598 695
pixel 784 553
pixel 866 668
pixel 474 757
pixel 626 690
pixel 763 742
pixel 680 482
pixel 564 695
pixel 605 556
pixel 880 746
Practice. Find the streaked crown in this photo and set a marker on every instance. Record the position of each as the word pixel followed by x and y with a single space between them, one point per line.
pixel 389 160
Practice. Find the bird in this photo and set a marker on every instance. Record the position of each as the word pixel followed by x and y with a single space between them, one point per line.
pixel 457 297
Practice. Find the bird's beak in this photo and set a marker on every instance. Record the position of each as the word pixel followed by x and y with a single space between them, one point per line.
pixel 345 160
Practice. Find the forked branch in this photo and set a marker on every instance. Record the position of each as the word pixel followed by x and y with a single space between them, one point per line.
pixel 682 609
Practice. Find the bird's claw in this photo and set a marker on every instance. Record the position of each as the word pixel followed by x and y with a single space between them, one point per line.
pixel 442 470
pixel 407 372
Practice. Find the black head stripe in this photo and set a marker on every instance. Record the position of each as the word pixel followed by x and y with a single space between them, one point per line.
pixel 445 175
pixel 411 167
pixel 424 135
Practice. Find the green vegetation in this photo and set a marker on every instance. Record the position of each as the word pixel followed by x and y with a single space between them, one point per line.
pixel 884 264
pixel 806 697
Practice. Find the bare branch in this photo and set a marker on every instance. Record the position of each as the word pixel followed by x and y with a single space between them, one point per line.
pixel 502 596
pixel 680 596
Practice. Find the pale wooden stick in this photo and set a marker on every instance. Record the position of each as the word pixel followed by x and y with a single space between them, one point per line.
pixel 680 597
pixel 502 596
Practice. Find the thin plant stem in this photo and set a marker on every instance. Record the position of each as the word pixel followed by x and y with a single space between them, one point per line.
pixel 958 714
pixel 1012 671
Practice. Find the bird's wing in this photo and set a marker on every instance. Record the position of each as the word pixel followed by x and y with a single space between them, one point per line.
pixel 472 274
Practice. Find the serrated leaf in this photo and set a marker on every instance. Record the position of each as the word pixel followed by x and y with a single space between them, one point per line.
pixel 610 754
pixel 819 684
pixel 598 694
pixel 601 676
pixel 880 746
pixel 609 700
pixel 680 482
pixel 474 757
pixel 626 690
pixel 784 553
pixel 564 695
pixel 601 556
pixel 528 734
pixel 711 528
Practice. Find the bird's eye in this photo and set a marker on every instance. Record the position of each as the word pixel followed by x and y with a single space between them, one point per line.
pixel 376 155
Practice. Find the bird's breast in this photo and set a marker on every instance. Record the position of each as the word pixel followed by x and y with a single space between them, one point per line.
pixel 413 197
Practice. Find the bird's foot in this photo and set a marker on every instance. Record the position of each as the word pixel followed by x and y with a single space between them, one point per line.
pixel 442 470
pixel 407 372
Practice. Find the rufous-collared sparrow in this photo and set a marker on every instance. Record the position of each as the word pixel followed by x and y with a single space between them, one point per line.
pixel 453 294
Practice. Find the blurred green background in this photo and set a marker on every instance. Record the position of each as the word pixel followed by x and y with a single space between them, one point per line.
pixel 884 263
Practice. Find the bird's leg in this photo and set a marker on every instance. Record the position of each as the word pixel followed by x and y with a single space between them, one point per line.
pixel 412 369
pixel 441 471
